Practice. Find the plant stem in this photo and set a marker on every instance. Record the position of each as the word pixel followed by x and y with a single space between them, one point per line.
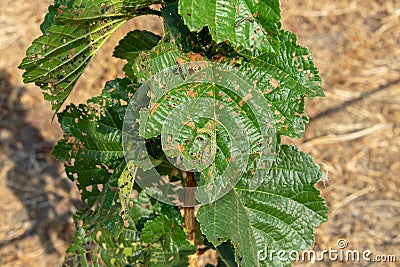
pixel 188 212
pixel 189 216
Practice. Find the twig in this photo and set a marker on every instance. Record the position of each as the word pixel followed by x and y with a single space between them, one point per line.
pixel 189 214
pixel 189 210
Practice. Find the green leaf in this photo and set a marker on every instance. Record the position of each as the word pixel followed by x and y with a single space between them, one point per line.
pixel 175 247
pixel 226 253
pixel 133 43
pixel 169 248
pixel 286 80
pixel 226 219
pixel 91 148
pixel 81 252
pixel 54 11
pixel 180 33
pixel 92 153
pixel 264 209
pixel 247 24
pixel 280 215
pixel 125 186
pixel 73 32
pixel 249 117
pixel 161 57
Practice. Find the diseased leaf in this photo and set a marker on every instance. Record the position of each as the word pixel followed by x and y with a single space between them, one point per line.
pixel 297 62
pixel 125 185
pixel 81 252
pixel 206 108
pixel 91 148
pixel 286 80
pixel 92 135
pixel 179 32
pixel 161 57
pixel 73 32
pixel 55 11
pixel 175 249
pixel 92 153
pixel 208 117
pixel 247 24
pixel 280 215
pixel 168 248
pixel 103 248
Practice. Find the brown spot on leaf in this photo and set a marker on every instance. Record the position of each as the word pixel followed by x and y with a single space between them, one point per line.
pixel 195 57
pixel 180 60
pixel 189 124
pixel 274 83
pixel 71 53
pixel 191 94
pixel 245 99
pixel 59 11
pixel 180 147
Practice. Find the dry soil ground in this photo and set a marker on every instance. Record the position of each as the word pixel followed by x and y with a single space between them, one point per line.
pixel 354 133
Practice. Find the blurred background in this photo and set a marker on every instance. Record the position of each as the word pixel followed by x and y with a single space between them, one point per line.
pixel 354 133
